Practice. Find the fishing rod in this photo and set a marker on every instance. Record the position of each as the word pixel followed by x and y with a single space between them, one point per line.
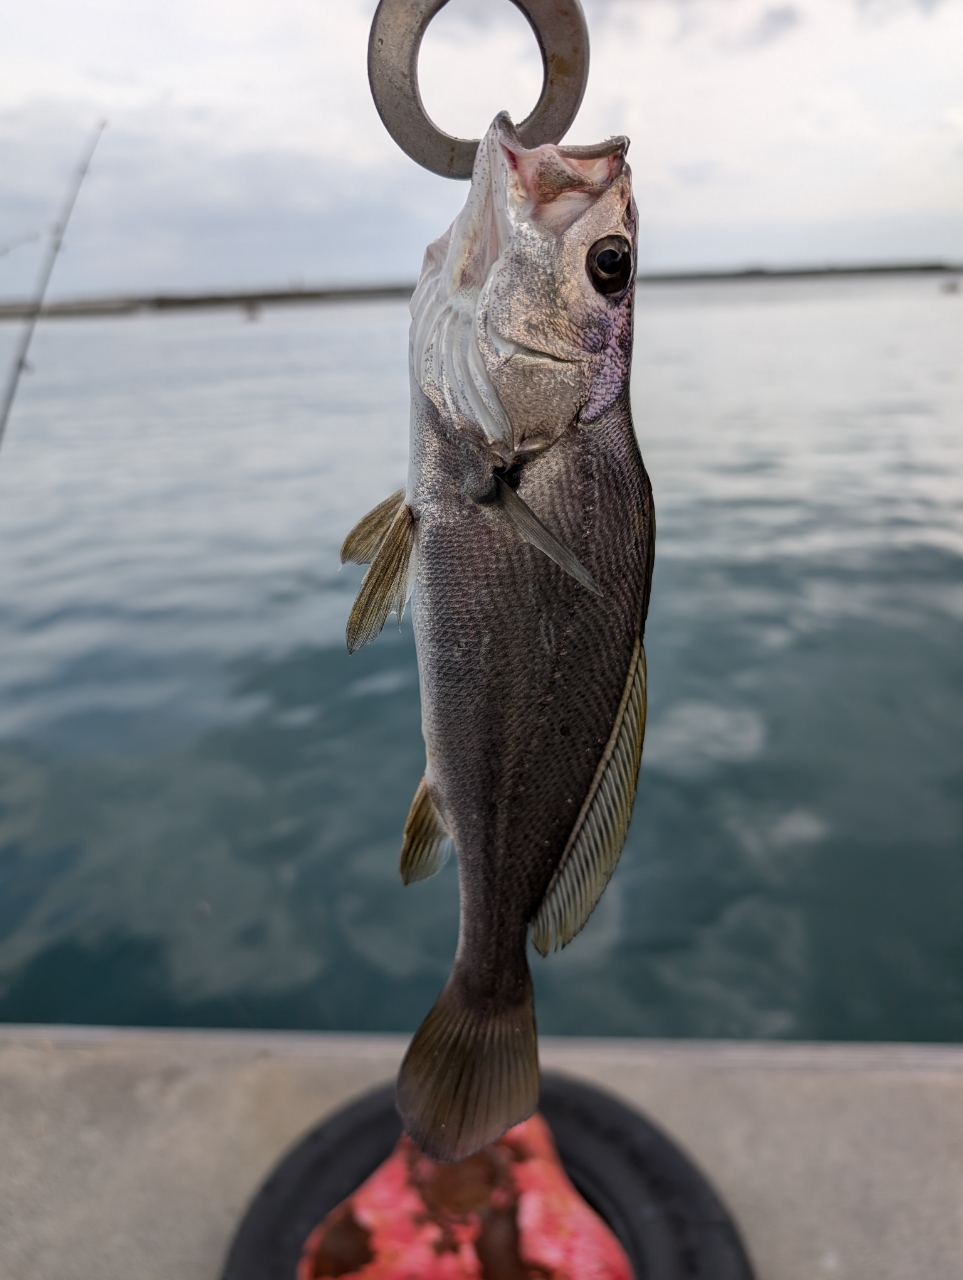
pixel 46 269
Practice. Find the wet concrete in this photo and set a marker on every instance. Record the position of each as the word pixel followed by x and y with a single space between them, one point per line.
pixel 133 1153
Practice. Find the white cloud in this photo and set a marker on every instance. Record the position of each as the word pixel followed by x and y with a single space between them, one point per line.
pixel 244 146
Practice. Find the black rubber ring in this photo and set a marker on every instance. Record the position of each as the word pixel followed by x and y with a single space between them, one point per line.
pixel 667 1217
pixel 396 35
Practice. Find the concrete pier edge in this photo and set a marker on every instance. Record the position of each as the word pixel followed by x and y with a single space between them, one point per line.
pixel 133 1153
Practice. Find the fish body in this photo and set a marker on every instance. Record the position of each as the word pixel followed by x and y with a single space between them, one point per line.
pixel 525 536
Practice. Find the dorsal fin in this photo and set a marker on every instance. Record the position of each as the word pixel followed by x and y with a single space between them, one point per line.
pixel 385 585
pixel 595 844
pixel 366 537
pixel 426 844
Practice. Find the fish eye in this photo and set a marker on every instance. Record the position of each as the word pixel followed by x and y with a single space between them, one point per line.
pixel 609 264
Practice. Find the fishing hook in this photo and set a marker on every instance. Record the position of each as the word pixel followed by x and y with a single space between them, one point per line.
pixel 396 35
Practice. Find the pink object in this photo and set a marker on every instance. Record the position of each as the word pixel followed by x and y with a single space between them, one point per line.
pixel 507 1213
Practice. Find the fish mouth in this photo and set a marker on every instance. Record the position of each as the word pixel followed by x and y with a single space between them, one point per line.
pixel 508 136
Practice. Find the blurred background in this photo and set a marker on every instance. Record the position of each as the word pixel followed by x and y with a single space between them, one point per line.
pixel 201 795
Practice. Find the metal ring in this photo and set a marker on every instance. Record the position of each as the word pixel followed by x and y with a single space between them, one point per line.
pixel 396 35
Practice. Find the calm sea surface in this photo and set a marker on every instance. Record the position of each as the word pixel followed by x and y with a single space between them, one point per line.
pixel 201 795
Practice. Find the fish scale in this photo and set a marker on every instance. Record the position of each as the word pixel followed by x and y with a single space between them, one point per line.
pixel 487 727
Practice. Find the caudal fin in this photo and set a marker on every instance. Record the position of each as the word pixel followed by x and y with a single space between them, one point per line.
pixel 470 1073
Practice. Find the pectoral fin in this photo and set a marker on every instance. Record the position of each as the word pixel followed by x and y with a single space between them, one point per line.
pixel 366 537
pixel 532 530
pixel 426 844
pixel 595 844
pixel 385 585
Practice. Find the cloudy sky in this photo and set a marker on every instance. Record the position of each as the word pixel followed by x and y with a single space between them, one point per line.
pixel 243 148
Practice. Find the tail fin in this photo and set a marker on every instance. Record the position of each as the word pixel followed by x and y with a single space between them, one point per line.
pixel 470 1073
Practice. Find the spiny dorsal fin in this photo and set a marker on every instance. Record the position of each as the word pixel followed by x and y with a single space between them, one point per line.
pixel 368 534
pixel 596 841
pixel 426 844
pixel 532 530
pixel 385 585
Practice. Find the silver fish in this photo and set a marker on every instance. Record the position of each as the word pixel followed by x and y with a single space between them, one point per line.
pixel 525 539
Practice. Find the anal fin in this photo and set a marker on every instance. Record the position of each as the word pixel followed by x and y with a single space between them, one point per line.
pixel 385 585
pixel 366 537
pixel 593 848
pixel 426 843
pixel 532 530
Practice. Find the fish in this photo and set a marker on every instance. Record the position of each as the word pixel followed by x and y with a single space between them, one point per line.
pixel 524 539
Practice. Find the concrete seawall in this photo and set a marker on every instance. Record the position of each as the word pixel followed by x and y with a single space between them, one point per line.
pixel 130 1155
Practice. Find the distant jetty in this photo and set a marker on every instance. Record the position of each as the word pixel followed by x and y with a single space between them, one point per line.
pixel 252 301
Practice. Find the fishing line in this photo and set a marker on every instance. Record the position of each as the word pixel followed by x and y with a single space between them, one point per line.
pixel 18 244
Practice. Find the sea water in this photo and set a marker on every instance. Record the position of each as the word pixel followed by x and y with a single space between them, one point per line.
pixel 202 795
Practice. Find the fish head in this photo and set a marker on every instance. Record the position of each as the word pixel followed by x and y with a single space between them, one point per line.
pixel 558 311
pixel 522 319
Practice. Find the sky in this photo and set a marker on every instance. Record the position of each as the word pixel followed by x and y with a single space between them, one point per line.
pixel 243 149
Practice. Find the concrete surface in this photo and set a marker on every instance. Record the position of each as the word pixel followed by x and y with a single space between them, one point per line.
pixel 130 1155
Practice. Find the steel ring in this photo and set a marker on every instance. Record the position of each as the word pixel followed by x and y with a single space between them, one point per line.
pixel 396 35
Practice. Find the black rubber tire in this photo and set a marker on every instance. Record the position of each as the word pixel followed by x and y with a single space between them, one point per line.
pixel 668 1219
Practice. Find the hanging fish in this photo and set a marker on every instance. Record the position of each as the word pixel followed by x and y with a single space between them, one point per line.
pixel 525 539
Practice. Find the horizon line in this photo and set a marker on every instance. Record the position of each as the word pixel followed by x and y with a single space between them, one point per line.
pixel 252 300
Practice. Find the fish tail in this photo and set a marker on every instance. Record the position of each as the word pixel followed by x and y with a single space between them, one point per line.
pixel 471 1071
